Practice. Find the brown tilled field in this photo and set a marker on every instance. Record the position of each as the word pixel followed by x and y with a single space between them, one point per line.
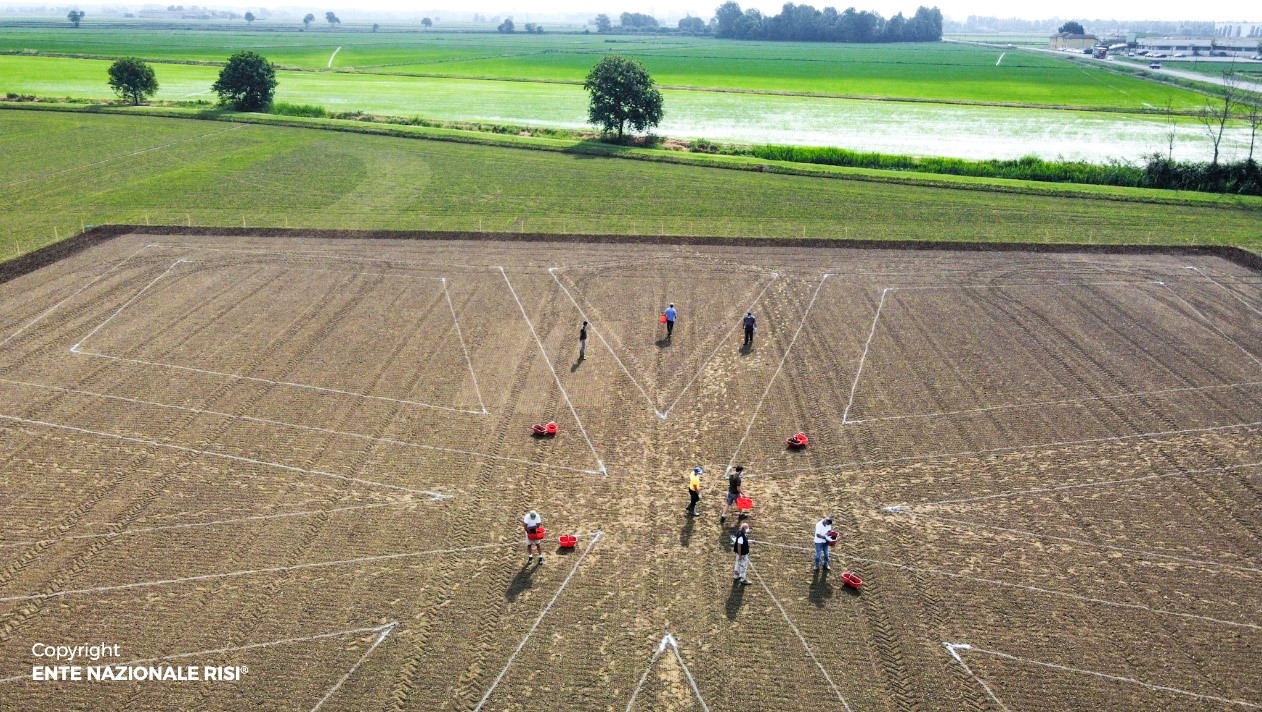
pixel 309 458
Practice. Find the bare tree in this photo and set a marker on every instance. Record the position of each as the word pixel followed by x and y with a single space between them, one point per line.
pixel 1214 118
pixel 1172 129
pixel 1251 109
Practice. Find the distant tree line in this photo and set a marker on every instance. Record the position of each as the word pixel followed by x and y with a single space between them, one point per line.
pixel 803 23
pixel 978 24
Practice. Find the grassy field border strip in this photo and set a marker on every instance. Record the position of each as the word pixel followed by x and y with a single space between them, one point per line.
pixel 955 648
pixel 547 360
pixel 860 464
pixel 298 426
pixel 595 539
pixel 1026 587
pixel 668 641
pixel 215 453
pixel 78 351
pixel 745 163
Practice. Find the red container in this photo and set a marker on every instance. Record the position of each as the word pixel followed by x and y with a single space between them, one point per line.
pixel 851 580
pixel 568 541
pixel 797 440
pixel 833 538
pixel 663 319
pixel 551 428
pixel 744 504
pixel 539 534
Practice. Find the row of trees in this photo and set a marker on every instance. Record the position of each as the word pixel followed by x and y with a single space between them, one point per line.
pixel 531 28
pixel 246 83
pixel 803 23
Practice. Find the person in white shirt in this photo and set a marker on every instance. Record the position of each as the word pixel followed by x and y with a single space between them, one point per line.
pixel 823 528
pixel 532 522
pixel 740 547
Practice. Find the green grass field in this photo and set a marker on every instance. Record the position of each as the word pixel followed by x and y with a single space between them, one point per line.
pixel 63 171
pixel 932 72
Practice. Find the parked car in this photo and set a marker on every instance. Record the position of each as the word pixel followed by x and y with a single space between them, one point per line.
pixel 1154 65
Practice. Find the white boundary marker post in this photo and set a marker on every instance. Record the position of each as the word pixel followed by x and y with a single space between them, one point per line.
pixel 946 521
pixel 249 572
pixel 788 349
pixel 798 633
pixel 1036 589
pixel 668 641
pixel 1014 448
pixel 543 352
pixel 76 293
pixel 224 455
pixel 845 415
pixel 249 646
pixel 1223 287
pixel 596 537
pixel 460 335
pixel 955 648
pixel 298 426
pixel 338 685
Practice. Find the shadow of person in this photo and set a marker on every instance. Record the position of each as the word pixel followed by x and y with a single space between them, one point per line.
pixel 734 600
pixel 685 532
pixel 576 365
pixel 747 349
pixel 821 589
pixel 662 343
pixel 520 583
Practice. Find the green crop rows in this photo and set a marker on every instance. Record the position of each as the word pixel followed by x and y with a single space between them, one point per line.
pixel 64 171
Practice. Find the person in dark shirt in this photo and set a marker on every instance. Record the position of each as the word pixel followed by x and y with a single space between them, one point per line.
pixel 734 490
pixel 749 327
pixel 740 547
pixel 582 342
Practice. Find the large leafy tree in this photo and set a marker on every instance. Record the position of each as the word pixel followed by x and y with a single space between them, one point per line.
pixel 331 18
pixel 249 18
pixel 132 79
pixel 75 16
pixel 602 22
pixel 247 83
pixel 1073 28
pixel 307 20
pixel 623 94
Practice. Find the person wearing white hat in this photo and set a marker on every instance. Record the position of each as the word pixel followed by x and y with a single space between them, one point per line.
pixel 532 522
pixel 694 492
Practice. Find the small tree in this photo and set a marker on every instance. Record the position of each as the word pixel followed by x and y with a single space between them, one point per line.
pixel 1072 28
pixel 507 26
pixel 1214 118
pixel 603 23
pixel 426 22
pixel 1251 108
pixel 132 79
pixel 623 94
pixel 530 28
pixel 247 83
pixel 249 18
pixel 375 27
pixel 75 16
pixel 694 25
pixel 330 18
pixel 307 20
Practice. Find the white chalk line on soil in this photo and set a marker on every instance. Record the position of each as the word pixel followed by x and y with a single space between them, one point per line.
pixel 223 455
pixel 788 350
pixel 798 633
pixel 668 641
pixel 955 648
pixel 330 66
pixel 1083 485
pixel 596 537
pixel 1014 448
pixel 80 167
pixel 240 648
pixel 845 415
pixel 1027 587
pixel 321 255
pixel 214 523
pixel 298 426
pixel 1223 287
pixel 952 648
pixel 251 572
pixel 1212 325
pixel 543 352
pixel 1068 401
pixel 43 315
pixel 599 335
pixel 338 685
pixel 467 359
pixel 127 303
pixel 947 521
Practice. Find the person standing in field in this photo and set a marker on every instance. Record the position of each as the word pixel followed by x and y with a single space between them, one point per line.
pixel 582 342
pixel 532 523
pixel 694 492
pixel 670 320
pixel 749 327
pixel 734 490
pixel 740 547
pixel 823 528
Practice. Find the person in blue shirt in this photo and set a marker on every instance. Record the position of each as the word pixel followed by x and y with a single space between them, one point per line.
pixel 670 320
pixel 749 327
